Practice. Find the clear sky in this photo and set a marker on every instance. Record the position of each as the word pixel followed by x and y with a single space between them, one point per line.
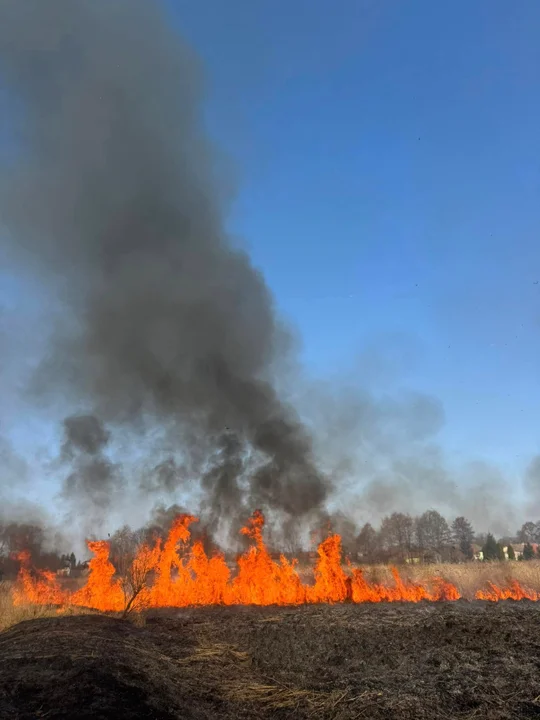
pixel 387 166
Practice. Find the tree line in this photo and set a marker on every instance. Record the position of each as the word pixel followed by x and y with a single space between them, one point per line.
pixel 431 538
pixel 400 538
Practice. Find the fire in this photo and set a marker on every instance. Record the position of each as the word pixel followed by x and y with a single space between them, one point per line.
pixel 402 591
pixel 514 591
pixel 177 573
pixel 101 591
pixel 38 587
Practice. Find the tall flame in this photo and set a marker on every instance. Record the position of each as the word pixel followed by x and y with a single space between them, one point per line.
pixel 177 573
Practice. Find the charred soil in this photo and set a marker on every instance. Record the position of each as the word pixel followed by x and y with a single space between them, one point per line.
pixel 445 660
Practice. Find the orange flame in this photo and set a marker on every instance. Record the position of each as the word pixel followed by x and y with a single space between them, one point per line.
pixel 174 573
pixel 38 587
pixel 514 591
pixel 101 591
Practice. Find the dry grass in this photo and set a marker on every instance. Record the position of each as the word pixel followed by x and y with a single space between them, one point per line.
pixel 137 619
pixel 281 697
pixel 222 660
pixel 341 662
pixel 467 577
pixel 215 652
pixel 11 614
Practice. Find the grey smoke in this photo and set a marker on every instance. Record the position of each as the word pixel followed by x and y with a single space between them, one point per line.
pixel 84 433
pixel 93 480
pixel 14 471
pixel 383 449
pixel 111 199
pixel 532 486
pixel 114 203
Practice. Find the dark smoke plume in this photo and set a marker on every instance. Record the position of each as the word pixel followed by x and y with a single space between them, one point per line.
pixel 93 477
pixel 113 201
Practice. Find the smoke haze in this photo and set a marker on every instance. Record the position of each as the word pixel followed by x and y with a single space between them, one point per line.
pixel 114 201
pixel 169 339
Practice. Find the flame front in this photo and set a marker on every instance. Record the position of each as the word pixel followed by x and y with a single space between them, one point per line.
pixel 39 587
pixel 178 573
pixel 513 591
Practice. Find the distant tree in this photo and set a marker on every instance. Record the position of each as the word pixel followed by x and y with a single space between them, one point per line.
pixel 397 533
pixel 290 537
pixel 346 528
pixel 463 536
pixel 510 552
pixel 480 539
pixel 500 552
pixel 124 546
pixel 507 540
pixel 491 548
pixel 367 542
pixel 529 533
pixel 23 536
pixel 4 542
pixel 528 551
pixel 432 532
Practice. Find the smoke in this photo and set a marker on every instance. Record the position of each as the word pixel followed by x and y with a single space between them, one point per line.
pixel 169 336
pixel 93 480
pixel 532 485
pixel 383 449
pixel 114 202
pixel 14 471
pixel 24 525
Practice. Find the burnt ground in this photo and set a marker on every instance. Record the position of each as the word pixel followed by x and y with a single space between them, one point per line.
pixel 455 660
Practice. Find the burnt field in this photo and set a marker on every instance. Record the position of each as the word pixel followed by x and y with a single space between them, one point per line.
pixel 446 660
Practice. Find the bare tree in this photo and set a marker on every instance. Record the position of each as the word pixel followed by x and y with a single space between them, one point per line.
pixel 291 537
pixel 397 533
pixel 4 541
pixel 529 532
pixel 343 526
pixel 134 560
pixel 463 536
pixel 432 533
pixel 367 542
pixel 135 580
pixel 23 536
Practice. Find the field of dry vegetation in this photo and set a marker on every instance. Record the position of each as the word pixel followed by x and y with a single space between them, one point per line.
pixel 11 614
pixel 430 661
pixel 467 577
pixel 401 661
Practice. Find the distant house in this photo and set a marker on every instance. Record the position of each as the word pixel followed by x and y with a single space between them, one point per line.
pixel 477 552
pixel 64 571
pixel 518 549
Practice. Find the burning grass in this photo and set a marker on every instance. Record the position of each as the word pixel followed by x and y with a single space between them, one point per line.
pixel 470 579
pixel 12 613
pixel 178 573
pixel 411 661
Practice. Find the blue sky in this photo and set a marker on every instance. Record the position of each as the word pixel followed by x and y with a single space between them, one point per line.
pixel 386 163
